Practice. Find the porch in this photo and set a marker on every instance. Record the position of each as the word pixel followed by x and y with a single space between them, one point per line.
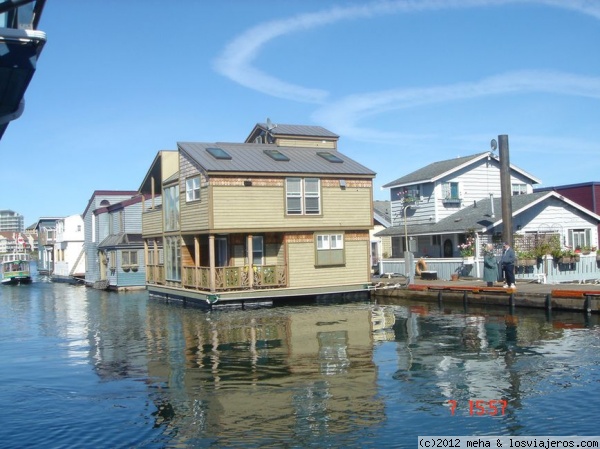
pixel 224 278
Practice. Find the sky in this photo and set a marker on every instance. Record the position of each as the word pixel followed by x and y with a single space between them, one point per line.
pixel 403 83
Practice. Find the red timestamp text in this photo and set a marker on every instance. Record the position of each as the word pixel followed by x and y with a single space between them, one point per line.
pixel 480 407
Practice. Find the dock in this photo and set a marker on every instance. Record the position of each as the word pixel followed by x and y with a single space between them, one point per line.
pixel 572 296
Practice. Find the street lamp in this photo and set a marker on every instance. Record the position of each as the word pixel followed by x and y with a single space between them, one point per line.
pixel 408 260
pixel 405 230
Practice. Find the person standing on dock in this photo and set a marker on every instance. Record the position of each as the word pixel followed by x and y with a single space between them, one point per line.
pixel 508 266
pixel 490 265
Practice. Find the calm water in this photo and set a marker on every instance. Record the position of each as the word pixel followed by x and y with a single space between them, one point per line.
pixel 82 368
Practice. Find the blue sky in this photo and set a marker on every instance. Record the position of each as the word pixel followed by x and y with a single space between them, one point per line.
pixel 404 84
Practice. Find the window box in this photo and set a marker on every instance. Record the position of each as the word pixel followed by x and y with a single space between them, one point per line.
pixel 451 201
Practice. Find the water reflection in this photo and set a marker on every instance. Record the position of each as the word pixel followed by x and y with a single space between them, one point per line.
pixel 340 375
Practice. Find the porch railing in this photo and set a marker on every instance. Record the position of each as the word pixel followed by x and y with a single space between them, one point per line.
pixel 235 278
pixel 586 269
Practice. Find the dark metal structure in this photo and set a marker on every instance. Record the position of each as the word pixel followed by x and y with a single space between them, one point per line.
pixel 20 47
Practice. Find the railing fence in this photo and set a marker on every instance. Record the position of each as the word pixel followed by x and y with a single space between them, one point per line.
pixel 586 269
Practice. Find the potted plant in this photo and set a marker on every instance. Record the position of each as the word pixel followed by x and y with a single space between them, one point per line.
pixel 467 250
pixel 598 255
pixel 568 256
pixel 586 250
pixel 526 258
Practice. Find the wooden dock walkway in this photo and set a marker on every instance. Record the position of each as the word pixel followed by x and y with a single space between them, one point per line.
pixel 574 297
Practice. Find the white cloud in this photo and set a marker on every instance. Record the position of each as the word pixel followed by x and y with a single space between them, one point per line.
pixel 344 115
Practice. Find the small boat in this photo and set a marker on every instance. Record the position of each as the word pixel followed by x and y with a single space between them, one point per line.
pixel 15 269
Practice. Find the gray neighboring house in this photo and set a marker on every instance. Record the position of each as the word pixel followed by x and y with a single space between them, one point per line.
pixel 112 224
pixel 435 208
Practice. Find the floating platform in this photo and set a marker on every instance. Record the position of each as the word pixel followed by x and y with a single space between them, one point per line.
pixel 572 297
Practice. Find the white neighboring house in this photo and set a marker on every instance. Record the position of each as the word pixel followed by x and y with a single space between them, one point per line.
pixel 69 255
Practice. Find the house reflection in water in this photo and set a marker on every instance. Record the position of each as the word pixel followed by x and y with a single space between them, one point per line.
pixel 298 370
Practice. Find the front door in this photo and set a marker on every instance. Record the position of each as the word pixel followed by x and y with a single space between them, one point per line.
pixel 448 248
pixel 221 257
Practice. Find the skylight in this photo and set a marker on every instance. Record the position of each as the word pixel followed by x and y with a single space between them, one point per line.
pixel 276 155
pixel 330 157
pixel 218 153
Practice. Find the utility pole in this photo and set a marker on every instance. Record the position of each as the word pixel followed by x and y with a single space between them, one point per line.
pixel 505 190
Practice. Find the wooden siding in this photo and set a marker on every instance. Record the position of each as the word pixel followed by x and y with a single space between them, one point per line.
pixel 303 273
pixel 152 222
pixel 132 218
pixel 261 207
pixel 194 216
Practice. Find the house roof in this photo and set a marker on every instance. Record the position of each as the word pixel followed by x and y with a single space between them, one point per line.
pixel 479 216
pixel 121 239
pixel 440 169
pixel 252 158
pixel 281 130
pixel 381 211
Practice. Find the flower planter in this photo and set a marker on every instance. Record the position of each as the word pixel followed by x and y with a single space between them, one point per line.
pixel 468 260
pixel 527 262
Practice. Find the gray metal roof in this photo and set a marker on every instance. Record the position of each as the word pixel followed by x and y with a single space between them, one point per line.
pixel 250 157
pixel 477 216
pixel 299 130
pixel 121 239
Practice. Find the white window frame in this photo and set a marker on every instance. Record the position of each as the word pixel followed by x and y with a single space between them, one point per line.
pixel 330 250
pixel 518 188
pixel 129 258
pixel 579 237
pixel 192 189
pixel 447 188
pixel 303 196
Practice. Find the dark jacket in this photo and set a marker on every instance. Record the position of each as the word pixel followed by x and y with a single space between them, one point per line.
pixel 508 257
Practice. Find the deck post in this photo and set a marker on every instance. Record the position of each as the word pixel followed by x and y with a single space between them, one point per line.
pixel 211 257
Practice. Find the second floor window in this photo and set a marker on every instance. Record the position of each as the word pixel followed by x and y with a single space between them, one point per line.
pixel 519 189
pixel 171 208
pixel 303 196
pixel 192 189
pixel 450 191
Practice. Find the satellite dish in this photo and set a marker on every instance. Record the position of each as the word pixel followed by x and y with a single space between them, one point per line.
pixel 270 125
pixel 494 144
